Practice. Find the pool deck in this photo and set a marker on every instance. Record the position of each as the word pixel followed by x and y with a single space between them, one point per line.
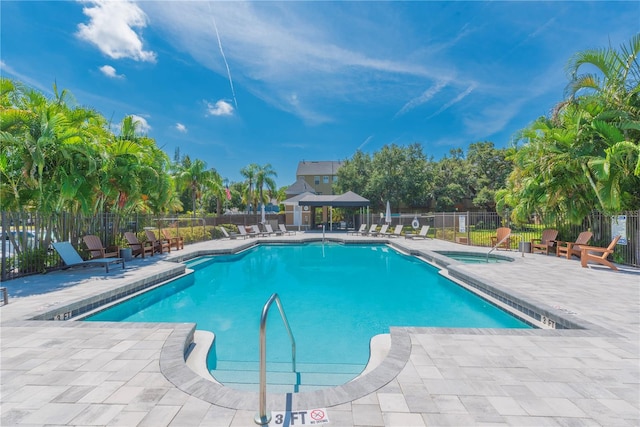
pixel 66 373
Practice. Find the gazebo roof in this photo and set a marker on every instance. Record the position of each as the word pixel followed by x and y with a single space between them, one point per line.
pixel 348 199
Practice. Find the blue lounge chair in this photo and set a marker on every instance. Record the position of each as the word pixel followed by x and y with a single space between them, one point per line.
pixel 72 258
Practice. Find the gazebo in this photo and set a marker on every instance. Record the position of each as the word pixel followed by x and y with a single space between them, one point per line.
pixel 346 200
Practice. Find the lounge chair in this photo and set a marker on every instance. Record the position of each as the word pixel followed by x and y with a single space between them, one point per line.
pixel 228 235
pixel 175 241
pixel 421 235
pixel 159 245
pixel 545 242
pixel 97 250
pixel 270 232
pixel 382 231
pixel 502 238
pixel 599 255
pixel 72 258
pixel 243 232
pixel 137 247
pixel 284 230
pixel 361 230
pixel 568 249
pixel 371 231
pixel 397 231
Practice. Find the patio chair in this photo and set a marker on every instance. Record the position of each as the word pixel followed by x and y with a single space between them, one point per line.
pixel 545 242
pixel 72 258
pixel 284 230
pixel 421 235
pixel 361 230
pixel 371 231
pixel 228 235
pixel 397 231
pixel 159 245
pixel 175 241
pixel 382 231
pixel 258 231
pixel 97 250
pixel 138 247
pixel 502 238
pixel 243 232
pixel 569 249
pixel 599 255
pixel 269 230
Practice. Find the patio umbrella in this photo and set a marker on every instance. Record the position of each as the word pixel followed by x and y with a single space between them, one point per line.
pixel 387 216
pixel 263 218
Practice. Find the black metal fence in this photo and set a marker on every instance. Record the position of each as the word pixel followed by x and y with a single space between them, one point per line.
pixel 27 237
pixel 477 228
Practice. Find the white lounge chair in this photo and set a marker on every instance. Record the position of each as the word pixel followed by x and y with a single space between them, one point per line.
pixel 371 231
pixel 270 231
pixel 361 230
pixel 284 229
pixel 397 231
pixel 228 235
pixel 421 235
pixel 382 231
pixel 72 258
pixel 244 233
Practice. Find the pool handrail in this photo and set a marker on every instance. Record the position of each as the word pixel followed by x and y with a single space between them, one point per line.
pixel 262 418
pixel 498 244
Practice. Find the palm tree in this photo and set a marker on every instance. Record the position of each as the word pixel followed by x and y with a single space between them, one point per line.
pixel 611 99
pixel 264 177
pixel 196 178
pixel 249 172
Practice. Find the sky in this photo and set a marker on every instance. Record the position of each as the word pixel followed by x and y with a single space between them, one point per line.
pixel 234 83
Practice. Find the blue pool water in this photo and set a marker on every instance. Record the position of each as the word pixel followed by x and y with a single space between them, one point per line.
pixel 335 296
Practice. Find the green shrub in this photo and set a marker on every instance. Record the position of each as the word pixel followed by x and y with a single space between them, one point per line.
pixel 34 260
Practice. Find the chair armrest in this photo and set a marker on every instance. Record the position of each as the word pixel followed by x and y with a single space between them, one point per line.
pixel 595 249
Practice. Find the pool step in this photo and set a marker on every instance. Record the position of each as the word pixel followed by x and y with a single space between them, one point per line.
pixel 197 261
pixel 280 378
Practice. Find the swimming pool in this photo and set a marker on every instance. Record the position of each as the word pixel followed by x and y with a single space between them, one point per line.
pixel 336 297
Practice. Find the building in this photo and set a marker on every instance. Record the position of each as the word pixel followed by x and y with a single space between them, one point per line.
pixel 312 178
pixel 320 175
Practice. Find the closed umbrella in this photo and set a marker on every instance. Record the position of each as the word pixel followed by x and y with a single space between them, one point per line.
pixel 263 217
pixel 387 216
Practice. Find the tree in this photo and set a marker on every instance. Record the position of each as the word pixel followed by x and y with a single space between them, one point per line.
pixel 586 155
pixel 194 177
pixel 489 168
pixel 264 177
pixel 250 173
pixel 354 175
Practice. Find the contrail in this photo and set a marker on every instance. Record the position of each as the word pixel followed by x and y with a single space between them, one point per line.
pixel 215 27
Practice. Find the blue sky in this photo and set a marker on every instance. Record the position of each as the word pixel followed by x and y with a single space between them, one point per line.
pixel 234 83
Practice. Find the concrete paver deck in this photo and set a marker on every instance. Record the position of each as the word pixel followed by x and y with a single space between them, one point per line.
pixel 127 374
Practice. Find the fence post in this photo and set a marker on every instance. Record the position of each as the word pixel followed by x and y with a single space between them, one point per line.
pixel 4 246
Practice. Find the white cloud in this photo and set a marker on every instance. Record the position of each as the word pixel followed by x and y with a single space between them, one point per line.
pixel 181 128
pixel 454 101
pixel 276 50
pixel 422 99
pixel 142 125
pixel 112 28
pixel 109 71
pixel 220 108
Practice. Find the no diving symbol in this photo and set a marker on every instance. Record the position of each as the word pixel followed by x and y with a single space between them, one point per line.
pixel 317 414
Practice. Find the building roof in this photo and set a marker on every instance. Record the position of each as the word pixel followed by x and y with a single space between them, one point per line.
pixel 298 187
pixel 295 199
pixel 348 199
pixel 307 167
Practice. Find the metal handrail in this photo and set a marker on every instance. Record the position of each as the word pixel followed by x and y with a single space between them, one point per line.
pixel 498 244
pixel 262 418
